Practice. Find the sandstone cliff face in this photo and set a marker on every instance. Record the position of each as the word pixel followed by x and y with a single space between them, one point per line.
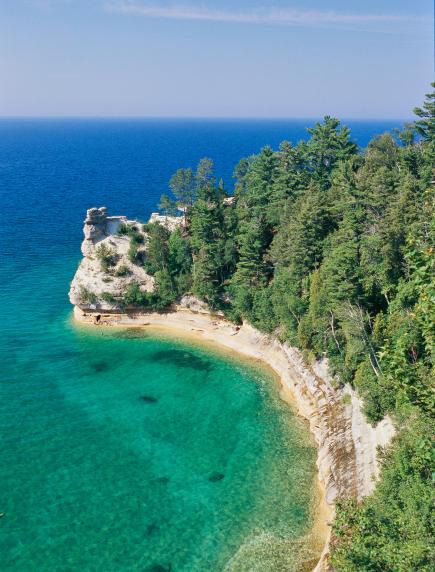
pixel 96 287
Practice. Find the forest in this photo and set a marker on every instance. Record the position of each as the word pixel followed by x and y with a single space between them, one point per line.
pixel 331 249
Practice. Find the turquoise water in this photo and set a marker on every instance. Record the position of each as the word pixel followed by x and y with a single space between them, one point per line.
pixel 128 451
pixel 123 451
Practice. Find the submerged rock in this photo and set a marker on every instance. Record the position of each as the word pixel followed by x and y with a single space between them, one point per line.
pixel 181 359
pixel 148 399
pixel 100 366
pixel 152 529
pixel 215 477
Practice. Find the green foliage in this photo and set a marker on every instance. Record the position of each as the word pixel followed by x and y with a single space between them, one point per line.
pixel 123 229
pixel 157 248
pixel 182 185
pixel 262 314
pixel 207 236
pixel 133 252
pixel 122 270
pixel 426 124
pixel 392 530
pixel 179 253
pixel 136 239
pixel 108 297
pixel 106 257
pixel 132 231
pixel 329 144
pixel 169 259
pixel 167 205
pixel 86 296
pixel 165 290
pixel 135 297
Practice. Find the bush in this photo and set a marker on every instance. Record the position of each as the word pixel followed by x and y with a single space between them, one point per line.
pixel 136 237
pixel 133 252
pixel 106 256
pixel 86 296
pixel 123 229
pixel 135 297
pixel 123 270
pixel 131 231
pixel 108 297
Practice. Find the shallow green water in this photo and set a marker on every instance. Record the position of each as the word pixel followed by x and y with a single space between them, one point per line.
pixel 125 451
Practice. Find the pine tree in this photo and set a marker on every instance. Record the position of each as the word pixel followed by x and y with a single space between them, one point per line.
pixel 426 124
pixel 207 235
pixel 329 144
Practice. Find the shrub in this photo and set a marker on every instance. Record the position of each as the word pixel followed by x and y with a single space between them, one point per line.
pixel 86 296
pixel 123 270
pixel 131 231
pixel 108 297
pixel 106 256
pixel 123 229
pixel 136 237
pixel 135 297
pixel 132 253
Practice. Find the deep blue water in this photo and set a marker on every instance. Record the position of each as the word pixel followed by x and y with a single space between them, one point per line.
pixel 91 477
pixel 51 171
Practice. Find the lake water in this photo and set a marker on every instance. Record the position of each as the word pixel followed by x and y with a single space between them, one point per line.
pixel 122 450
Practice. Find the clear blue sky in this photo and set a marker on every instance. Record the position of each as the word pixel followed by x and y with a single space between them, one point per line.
pixel 215 58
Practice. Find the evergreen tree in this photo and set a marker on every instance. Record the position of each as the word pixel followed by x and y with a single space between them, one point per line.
pixel 167 205
pixel 329 144
pixel 426 124
pixel 157 248
pixel 207 236
pixel 182 185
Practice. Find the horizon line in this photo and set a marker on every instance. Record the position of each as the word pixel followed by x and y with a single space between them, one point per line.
pixel 210 118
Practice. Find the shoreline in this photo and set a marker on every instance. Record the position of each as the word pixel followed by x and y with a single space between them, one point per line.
pixel 346 444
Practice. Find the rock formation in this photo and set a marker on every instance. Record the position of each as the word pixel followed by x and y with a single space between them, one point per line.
pixel 97 227
pixel 107 270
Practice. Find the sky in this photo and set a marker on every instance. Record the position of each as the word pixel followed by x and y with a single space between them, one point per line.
pixel 215 58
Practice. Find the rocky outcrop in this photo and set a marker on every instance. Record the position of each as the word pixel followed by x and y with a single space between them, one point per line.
pixel 107 269
pixel 98 226
pixel 169 222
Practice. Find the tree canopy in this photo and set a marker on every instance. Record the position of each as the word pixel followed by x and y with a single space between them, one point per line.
pixel 332 249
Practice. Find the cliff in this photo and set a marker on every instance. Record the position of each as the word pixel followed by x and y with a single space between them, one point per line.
pixel 109 264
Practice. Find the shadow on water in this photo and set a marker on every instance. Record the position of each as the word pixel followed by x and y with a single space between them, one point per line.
pixel 216 477
pixel 152 529
pixel 131 334
pixel 100 366
pixel 181 358
pixel 148 399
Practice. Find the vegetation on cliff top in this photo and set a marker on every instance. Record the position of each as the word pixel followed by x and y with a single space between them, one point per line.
pixel 332 250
